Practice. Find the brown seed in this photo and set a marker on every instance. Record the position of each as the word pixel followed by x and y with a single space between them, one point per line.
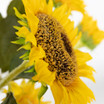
pixel 59 53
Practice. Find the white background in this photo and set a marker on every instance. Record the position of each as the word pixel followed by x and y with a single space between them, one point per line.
pixel 96 9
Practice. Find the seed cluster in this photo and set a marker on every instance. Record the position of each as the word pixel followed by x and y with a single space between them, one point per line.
pixel 59 53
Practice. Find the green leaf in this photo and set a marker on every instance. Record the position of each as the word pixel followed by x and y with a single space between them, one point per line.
pixel 0 17
pixel 9 99
pixel 19 41
pixel 87 40
pixel 42 91
pixel 15 3
pixel 7 34
pixel 7 49
pixel 16 61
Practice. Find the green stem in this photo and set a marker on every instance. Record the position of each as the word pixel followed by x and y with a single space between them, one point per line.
pixel 13 74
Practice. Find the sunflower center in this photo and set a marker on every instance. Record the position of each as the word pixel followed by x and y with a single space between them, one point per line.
pixel 59 53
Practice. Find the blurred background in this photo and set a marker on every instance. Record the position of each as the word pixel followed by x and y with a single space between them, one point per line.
pixel 95 8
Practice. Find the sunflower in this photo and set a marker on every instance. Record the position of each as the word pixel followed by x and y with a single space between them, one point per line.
pixel 77 5
pixel 50 38
pixel 25 93
pixel 90 31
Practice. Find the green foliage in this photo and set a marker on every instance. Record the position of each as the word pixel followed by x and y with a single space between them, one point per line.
pixel 9 99
pixel 9 56
pixel 86 40
pixel 7 34
pixel 1 17
pixel 42 91
pixel 15 3
pixel 19 41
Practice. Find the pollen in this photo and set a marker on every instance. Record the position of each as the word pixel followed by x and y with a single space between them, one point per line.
pixel 59 53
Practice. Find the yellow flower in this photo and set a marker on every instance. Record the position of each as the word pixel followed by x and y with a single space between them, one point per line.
pixel 25 93
pixel 90 27
pixel 77 5
pixel 53 37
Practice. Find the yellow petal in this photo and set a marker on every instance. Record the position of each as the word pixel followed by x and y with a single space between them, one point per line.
pixel 42 6
pixel 79 93
pixel 36 53
pixel 98 36
pixel 14 86
pixel 32 5
pixel 18 14
pixel 33 22
pixel 82 57
pixel 23 23
pixel 26 47
pixel 43 74
pixel 60 93
pixel 16 27
pixel 90 26
pixel 4 91
pixel 77 38
pixel 86 71
pixel 25 93
pixel 57 92
pixel 65 18
pixel 71 31
pixel 28 5
pixel 31 38
pixel 50 7
pixel 77 5
pixel 59 12
pixel 24 32
pixel 32 19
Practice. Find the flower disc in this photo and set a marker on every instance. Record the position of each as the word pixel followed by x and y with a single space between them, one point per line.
pixel 59 53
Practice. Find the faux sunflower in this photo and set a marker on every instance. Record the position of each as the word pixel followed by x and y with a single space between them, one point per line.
pixel 49 38
pixel 25 93
pixel 77 5
pixel 91 34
